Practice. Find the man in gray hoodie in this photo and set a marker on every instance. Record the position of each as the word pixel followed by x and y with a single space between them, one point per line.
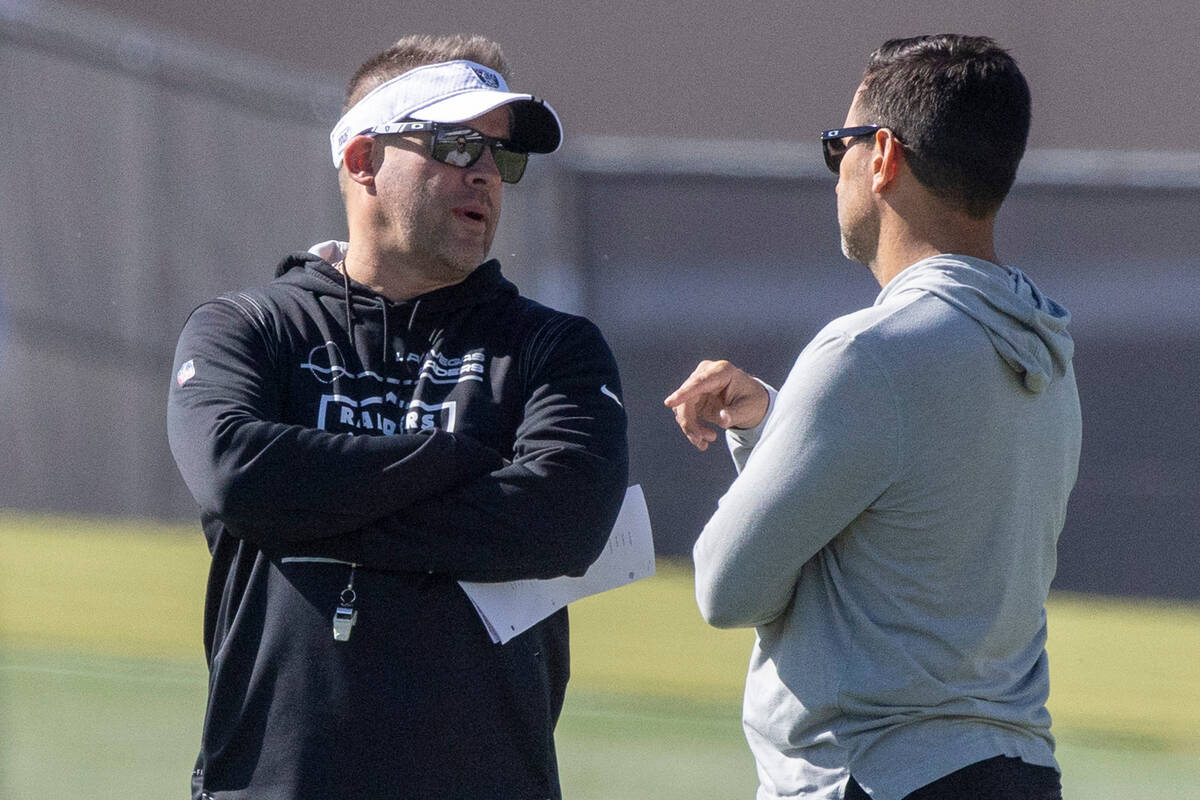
pixel 891 534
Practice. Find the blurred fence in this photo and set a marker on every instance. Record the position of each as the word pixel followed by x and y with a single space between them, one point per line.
pixel 142 174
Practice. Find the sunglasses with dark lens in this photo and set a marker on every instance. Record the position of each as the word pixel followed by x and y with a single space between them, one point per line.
pixel 460 146
pixel 834 144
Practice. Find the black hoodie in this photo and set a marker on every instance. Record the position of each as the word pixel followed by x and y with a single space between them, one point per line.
pixel 506 459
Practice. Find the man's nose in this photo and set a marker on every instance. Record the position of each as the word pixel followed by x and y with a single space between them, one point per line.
pixel 484 170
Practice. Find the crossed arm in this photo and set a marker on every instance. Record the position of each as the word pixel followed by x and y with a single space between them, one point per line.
pixel 434 501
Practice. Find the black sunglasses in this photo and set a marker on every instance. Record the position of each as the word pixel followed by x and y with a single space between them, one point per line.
pixel 834 144
pixel 460 146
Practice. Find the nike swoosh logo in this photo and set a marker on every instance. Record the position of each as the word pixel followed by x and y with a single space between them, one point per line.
pixel 604 390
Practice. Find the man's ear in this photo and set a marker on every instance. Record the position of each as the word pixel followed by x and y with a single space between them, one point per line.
pixel 359 157
pixel 889 155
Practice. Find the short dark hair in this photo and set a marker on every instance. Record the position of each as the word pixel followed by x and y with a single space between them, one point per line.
pixel 961 108
pixel 417 50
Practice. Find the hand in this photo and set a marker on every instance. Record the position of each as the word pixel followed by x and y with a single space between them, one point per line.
pixel 717 393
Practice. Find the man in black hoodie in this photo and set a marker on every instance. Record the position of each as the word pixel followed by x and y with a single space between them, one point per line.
pixel 384 419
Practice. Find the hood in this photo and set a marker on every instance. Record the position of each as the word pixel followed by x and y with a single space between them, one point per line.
pixel 1028 329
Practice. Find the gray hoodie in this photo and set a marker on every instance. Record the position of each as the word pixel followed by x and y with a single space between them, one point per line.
pixel 892 534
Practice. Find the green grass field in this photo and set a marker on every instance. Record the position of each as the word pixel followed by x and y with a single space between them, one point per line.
pixel 102 679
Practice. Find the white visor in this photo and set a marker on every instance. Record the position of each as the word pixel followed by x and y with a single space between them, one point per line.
pixel 452 91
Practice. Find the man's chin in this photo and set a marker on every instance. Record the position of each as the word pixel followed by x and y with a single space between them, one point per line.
pixel 472 253
pixel 856 251
pixel 473 260
pixel 850 252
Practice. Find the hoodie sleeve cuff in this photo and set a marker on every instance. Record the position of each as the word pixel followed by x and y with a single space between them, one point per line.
pixel 744 439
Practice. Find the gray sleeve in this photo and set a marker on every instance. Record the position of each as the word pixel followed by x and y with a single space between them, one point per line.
pixel 829 447
pixel 742 440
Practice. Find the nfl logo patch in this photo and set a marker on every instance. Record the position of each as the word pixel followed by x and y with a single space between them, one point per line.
pixel 186 373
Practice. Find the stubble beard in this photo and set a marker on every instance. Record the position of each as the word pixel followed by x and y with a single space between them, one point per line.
pixel 435 248
pixel 860 237
pixel 455 260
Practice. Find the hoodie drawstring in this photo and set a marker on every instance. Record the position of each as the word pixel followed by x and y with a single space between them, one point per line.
pixel 346 300
pixel 412 318
pixel 387 342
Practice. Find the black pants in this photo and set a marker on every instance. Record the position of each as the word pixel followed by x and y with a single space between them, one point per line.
pixel 999 778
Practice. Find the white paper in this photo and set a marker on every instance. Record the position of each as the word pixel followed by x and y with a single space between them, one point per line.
pixel 511 608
